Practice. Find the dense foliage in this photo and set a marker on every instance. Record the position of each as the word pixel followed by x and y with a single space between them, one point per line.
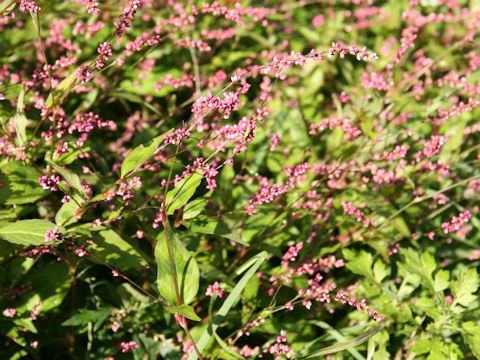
pixel 231 180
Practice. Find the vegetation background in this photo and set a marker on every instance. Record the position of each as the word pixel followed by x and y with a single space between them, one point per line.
pixel 231 180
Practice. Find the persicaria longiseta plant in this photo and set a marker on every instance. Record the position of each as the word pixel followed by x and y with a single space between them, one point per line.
pixel 231 180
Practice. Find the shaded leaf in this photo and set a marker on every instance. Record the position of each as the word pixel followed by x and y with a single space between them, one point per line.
pixel 194 208
pixel 214 226
pixel 19 184
pixel 113 250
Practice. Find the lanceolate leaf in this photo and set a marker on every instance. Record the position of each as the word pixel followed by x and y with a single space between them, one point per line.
pixel 73 180
pixel 112 249
pixel 20 120
pixel 185 267
pixel 182 192
pixel 139 155
pixel 26 232
pixel 186 310
pixel 213 226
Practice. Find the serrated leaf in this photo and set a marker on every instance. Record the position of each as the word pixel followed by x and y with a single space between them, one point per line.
pixel 19 184
pixel 185 267
pixel 359 262
pixel 442 280
pixel 422 266
pixel 20 120
pixel 429 306
pixel 464 287
pixel 471 334
pixel 186 310
pixel 183 191
pixel 139 155
pixel 422 346
pixel 380 270
pixel 26 232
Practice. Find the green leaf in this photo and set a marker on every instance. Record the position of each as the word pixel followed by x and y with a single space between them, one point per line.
pixel 183 191
pixel 26 232
pixel 66 211
pixel 184 265
pixel 337 336
pixel 422 346
pixel 73 180
pixel 471 334
pixel 213 226
pixel 19 184
pixel 20 120
pixel 429 306
pixel 194 208
pixel 227 348
pixel 70 157
pixel 112 249
pixel 344 345
pixel 464 287
pixel 422 266
pixel 256 261
pixel 186 310
pixel 139 155
pixel 96 316
pixel 380 270
pixel 442 280
pixel 359 262
pixel 50 284
pixel 60 89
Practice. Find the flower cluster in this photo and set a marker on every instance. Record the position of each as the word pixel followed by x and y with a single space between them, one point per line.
pixel 53 235
pixel 457 222
pixel 49 182
pixel 215 289
pixel 128 346
pixel 124 20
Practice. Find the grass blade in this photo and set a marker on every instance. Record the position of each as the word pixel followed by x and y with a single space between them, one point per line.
pixel 343 345
pixel 227 305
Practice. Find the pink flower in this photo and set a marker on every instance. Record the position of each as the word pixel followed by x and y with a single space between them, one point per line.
pixel 55 234
pixel 10 312
pixel 115 326
pixel 29 6
pixel 215 289
pixel 127 346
